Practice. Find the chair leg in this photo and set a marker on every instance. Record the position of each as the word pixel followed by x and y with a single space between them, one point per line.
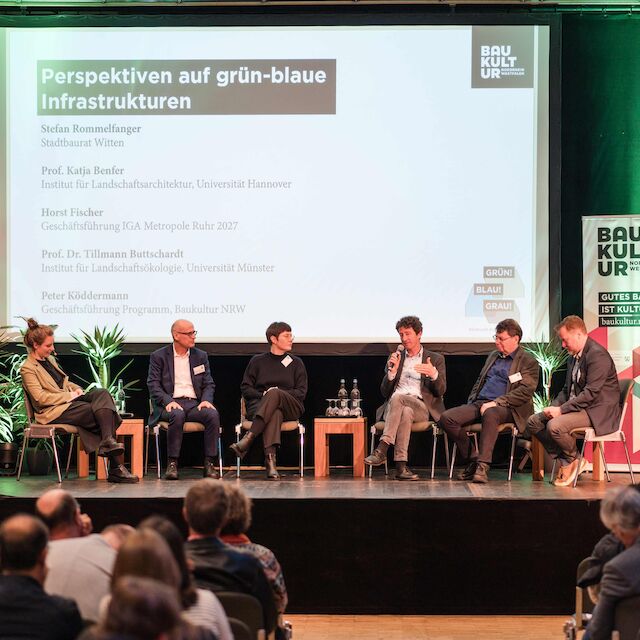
pixel 575 480
pixel 106 467
pixel 55 457
pixel 238 429
pixel 157 434
pixel 626 453
pixel 71 441
pixel 433 453
pixel 513 450
pixel 25 442
pixel 301 428
pixel 453 460
pixel 373 442
pixel 446 448
pixel 523 461
pixel 553 471
pixel 146 451
pixel 220 450
pixel 604 461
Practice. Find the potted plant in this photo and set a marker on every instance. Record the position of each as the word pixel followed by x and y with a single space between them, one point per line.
pixel 551 357
pixel 100 349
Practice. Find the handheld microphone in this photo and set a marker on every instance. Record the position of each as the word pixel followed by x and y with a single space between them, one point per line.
pixel 398 352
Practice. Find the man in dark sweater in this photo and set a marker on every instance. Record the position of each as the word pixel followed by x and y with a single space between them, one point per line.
pixel 26 611
pixel 273 387
pixel 216 565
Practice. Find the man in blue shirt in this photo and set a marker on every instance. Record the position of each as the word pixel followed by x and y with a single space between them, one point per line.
pixel 502 393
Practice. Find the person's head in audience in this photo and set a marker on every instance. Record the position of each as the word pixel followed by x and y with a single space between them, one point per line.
pixel 572 331
pixel 205 507
pixel 279 337
pixel 140 608
pixel 620 512
pixel 60 511
pixel 171 534
pixel 23 547
pixel 239 513
pixel 116 534
pixel 145 554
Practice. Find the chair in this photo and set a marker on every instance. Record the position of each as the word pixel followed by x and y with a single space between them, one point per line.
pixel 239 629
pixel 416 427
pixel 476 428
pixel 289 425
pixel 163 425
pixel 589 434
pixel 36 431
pixel 246 608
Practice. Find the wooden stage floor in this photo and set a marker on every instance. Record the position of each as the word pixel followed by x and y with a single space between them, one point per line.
pixel 340 485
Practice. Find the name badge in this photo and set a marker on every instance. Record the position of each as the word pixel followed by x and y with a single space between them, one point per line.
pixel 198 369
pixel 286 361
pixel 515 377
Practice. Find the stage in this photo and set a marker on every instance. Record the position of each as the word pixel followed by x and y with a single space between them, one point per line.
pixel 355 546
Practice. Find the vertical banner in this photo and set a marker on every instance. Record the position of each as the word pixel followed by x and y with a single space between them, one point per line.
pixel 611 301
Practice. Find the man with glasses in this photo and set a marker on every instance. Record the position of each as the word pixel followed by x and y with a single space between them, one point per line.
pixel 590 399
pixel 274 387
pixel 502 393
pixel 181 388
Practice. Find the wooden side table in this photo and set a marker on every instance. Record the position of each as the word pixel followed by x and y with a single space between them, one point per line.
pixel 130 427
pixel 323 428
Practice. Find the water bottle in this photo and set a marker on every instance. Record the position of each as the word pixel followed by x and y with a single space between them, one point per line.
pixel 342 392
pixel 355 392
pixel 121 398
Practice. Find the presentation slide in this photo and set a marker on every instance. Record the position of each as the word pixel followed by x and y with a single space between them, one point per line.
pixel 336 178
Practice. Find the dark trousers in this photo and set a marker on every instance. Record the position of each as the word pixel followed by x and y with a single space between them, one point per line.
pixel 275 407
pixel 210 418
pixel 81 413
pixel 454 421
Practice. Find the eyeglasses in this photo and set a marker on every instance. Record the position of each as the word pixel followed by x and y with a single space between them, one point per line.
pixel 502 340
pixel 191 334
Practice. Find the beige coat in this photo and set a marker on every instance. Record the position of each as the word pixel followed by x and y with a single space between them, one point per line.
pixel 49 401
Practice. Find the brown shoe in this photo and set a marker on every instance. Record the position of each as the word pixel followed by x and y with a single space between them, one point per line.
pixel 566 474
pixel 210 470
pixel 376 458
pixel 240 448
pixel 481 475
pixel 270 467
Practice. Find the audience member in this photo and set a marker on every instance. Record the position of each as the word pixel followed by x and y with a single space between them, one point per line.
pixel 60 511
pixel 140 609
pixel 234 532
pixel 200 606
pixel 218 566
pixel 145 554
pixel 620 513
pixel 26 611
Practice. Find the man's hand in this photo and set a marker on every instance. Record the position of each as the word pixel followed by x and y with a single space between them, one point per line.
pixel 86 526
pixel 487 405
pixel 205 405
pixel 392 364
pixel 267 390
pixel 173 405
pixel 76 393
pixel 551 412
pixel 427 369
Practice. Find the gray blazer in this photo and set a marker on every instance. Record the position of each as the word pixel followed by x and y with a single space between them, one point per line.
pixel 598 389
pixel 432 390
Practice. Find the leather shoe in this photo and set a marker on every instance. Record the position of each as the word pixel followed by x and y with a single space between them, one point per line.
pixel 270 467
pixel 482 473
pixel 404 473
pixel 376 458
pixel 172 471
pixel 467 473
pixel 240 448
pixel 110 446
pixel 210 470
pixel 122 475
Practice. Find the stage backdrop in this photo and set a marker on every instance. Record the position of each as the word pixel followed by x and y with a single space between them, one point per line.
pixel 611 294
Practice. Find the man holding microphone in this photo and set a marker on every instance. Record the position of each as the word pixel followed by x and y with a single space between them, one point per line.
pixel 413 386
